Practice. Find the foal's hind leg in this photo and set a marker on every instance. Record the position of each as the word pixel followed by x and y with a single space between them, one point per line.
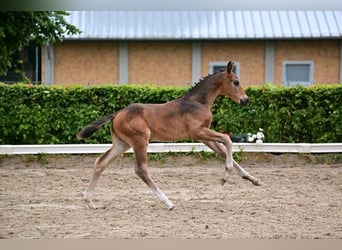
pixel 219 149
pixel 141 170
pixel 101 163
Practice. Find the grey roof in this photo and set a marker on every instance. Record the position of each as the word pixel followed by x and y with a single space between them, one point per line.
pixel 200 25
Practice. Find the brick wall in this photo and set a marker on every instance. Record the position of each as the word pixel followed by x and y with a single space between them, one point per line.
pixel 86 62
pixel 163 63
pixel 325 54
pixel 170 62
pixel 250 55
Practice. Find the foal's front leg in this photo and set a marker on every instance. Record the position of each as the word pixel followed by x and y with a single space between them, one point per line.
pixel 244 174
pixel 213 139
pixel 219 149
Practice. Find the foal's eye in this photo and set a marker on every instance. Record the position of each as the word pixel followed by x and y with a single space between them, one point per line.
pixel 236 83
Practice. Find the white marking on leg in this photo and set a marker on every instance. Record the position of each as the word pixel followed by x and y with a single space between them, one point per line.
pixel 162 197
pixel 118 148
pixel 225 153
pixel 241 171
pixel 229 154
pixel 244 174
pixel 90 202
pixel 229 162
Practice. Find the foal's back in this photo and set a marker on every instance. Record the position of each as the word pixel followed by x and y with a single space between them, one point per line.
pixel 169 121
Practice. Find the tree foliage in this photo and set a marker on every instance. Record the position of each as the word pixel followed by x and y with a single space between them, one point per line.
pixel 19 28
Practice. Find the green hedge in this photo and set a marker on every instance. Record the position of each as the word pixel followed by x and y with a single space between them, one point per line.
pixel 33 114
pixel 295 114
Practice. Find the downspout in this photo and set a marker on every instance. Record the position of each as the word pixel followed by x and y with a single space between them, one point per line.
pixel 49 64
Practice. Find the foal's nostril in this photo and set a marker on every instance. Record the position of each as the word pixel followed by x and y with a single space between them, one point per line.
pixel 244 101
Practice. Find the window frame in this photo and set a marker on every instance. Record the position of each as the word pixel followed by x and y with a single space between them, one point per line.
pixel 213 64
pixel 294 83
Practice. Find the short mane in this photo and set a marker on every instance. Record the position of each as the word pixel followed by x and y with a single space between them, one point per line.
pixel 202 81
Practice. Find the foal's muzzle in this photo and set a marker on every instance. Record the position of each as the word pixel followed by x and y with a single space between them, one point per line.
pixel 244 101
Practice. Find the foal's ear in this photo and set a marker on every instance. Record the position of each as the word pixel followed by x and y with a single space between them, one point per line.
pixel 230 67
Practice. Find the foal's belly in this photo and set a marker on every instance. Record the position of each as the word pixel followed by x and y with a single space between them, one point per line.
pixel 168 134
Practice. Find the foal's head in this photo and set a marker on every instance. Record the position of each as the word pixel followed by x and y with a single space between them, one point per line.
pixel 231 86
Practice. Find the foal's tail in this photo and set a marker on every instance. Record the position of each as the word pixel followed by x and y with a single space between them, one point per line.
pixel 93 127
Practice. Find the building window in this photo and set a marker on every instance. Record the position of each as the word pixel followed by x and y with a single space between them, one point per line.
pixel 297 73
pixel 218 66
pixel 31 66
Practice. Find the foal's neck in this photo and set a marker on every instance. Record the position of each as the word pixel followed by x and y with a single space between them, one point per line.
pixel 205 93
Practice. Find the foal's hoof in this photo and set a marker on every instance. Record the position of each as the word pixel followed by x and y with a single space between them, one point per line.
pixel 256 183
pixel 223 181
pixel 90 204
pixel 172 207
